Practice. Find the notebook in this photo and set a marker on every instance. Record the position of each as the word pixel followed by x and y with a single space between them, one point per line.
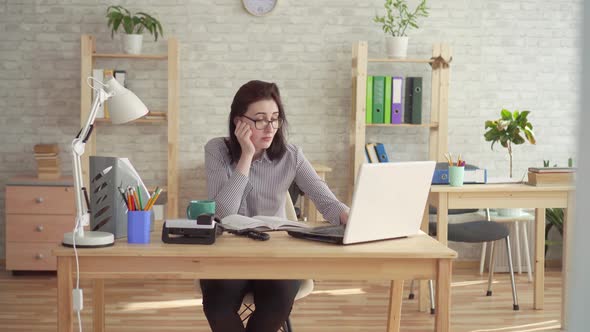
pixel 388 202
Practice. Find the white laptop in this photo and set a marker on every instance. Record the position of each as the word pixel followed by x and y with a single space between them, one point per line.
pixel 388 202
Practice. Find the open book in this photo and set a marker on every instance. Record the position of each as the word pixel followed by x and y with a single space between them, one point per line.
pixel 260 223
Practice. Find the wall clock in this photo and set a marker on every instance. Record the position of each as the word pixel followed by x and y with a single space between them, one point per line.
pixel 259 7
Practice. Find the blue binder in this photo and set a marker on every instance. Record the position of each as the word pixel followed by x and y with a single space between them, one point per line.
pixel 381 153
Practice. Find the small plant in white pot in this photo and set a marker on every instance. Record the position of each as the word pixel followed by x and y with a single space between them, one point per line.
pixel 397 20
pixel 134 25
pixel 512 128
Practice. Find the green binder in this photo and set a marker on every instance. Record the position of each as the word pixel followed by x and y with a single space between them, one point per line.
pixel 387 106
pixel 369 98
pixel 417 100
pixel 378 99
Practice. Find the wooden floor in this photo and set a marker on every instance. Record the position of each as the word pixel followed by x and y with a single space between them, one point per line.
pixel 28 303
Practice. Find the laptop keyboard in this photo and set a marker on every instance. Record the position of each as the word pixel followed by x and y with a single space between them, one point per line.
pixel 337 230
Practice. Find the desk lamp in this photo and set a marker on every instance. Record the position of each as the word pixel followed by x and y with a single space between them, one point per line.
pixel 124 106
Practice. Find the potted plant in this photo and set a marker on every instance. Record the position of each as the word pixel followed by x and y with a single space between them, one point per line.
pixel 134 25
pixel 513 128
pixel 554 218
pixel 397 20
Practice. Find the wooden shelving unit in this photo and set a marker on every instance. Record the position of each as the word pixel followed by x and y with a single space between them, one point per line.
pixel 438 126
pixel 170 117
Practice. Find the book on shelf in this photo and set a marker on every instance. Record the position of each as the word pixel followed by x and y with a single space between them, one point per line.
pixel 387 104
pixel 381 153
pixel 371 153
pixel 552 169
pixel 551 178
pixel 378 99
pixel 260 223
pixel 369 101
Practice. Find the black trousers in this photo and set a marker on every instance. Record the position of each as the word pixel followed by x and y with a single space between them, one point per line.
pixel 273 300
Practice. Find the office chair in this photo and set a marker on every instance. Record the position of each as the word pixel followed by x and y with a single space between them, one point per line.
pixel 305 288
pixel 478 232
pixel 433 211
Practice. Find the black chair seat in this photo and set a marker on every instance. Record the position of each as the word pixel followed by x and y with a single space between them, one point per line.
pixel 473 231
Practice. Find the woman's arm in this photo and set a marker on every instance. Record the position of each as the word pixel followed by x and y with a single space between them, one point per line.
pixel 317 190
pixel 227 191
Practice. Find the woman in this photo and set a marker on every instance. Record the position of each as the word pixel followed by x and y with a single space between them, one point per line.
pixel 249 173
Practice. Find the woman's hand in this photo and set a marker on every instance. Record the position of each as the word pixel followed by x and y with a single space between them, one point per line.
pixel 243 134
pixel 343 218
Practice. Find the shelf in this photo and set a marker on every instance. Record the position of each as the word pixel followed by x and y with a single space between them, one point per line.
pixel 130 56
pixel 437 126
pixel 166 120
pixel 402 60
pixel 407 125
pixel 151 117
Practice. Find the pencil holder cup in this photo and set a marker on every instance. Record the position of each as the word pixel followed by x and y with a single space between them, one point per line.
pixel 456 175
pixel 138 226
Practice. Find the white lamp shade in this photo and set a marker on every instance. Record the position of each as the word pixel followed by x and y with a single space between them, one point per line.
pixel 124 105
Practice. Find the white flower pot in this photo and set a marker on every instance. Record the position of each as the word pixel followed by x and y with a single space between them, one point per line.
pixel 132 44
pixel 397 47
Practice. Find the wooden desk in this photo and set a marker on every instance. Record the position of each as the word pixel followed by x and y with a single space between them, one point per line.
pixel 309 209
pixel 282 257
pixel 445 197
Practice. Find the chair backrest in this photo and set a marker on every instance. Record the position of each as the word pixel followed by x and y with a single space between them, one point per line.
pixel 290 208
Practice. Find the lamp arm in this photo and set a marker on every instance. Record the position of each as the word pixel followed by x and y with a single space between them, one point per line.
pixel 78 144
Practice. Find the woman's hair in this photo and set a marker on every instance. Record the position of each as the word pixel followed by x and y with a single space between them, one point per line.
pixel 248 94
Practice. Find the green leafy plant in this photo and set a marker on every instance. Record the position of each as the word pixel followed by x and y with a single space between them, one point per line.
pixel 398 18
pixel 554 218
pixel 511 128
pixel 132 23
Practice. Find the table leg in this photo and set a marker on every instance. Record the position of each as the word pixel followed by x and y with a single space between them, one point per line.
pixel 568 225
pixel 395 305
pixel 98 305
pixel 539 282
pixel 442 217
pixel 442 319
pixel 423 300
pixel 64 294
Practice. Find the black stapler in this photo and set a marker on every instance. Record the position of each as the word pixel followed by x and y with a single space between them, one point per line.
pixel 203 230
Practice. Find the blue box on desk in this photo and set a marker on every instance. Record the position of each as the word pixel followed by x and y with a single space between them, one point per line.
pixel 473 174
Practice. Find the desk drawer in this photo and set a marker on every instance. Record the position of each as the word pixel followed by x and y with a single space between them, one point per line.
pixel 40 200
pixel 38 228
pixel 30 256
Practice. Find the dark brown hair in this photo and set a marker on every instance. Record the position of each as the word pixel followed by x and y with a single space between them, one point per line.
pixel 248 94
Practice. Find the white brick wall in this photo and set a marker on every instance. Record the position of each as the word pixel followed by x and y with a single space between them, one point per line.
pixel 506 54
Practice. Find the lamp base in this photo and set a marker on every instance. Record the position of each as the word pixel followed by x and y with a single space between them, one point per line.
pixel 89 240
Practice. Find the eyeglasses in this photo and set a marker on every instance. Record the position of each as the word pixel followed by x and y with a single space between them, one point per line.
pixel 263 123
